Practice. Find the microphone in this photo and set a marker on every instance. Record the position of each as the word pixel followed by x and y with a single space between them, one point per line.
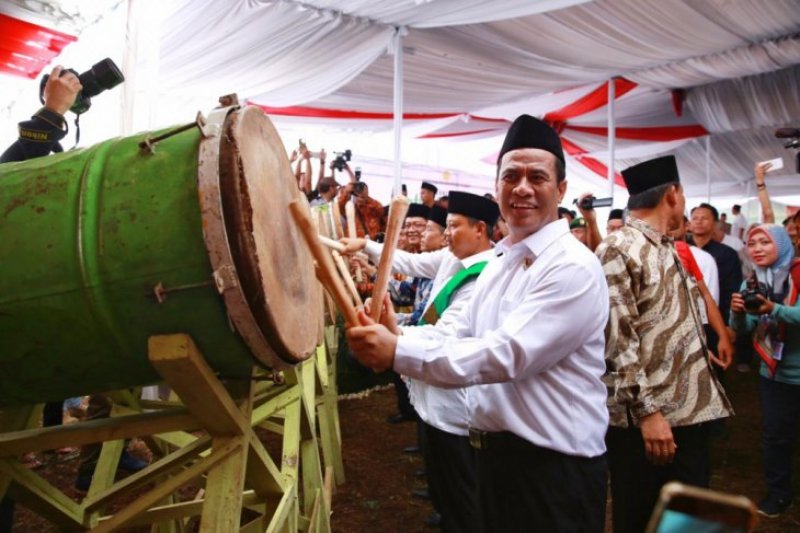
pixel 785 133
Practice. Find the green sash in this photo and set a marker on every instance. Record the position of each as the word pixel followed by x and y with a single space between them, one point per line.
pixel 442 300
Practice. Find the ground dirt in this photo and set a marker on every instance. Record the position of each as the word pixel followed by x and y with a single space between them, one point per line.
pixel 380 477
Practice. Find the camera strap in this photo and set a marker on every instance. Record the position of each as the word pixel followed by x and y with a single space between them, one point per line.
pixel 45 126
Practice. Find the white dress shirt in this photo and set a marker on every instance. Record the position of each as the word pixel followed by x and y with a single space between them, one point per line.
pixel 444 409
pixel 739 226
pixel 705 261
pixel 530 342
pixel 733 242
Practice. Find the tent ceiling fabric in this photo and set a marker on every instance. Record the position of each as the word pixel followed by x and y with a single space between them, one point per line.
pixel 735 63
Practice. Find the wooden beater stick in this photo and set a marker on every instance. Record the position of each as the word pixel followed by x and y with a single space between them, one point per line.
pixel 350 210
pixel 348 281
pixel 326 271
pixel 339 247
pixel 397 213
pixel 337 220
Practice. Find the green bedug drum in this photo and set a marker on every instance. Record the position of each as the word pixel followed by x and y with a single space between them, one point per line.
pixel 183 231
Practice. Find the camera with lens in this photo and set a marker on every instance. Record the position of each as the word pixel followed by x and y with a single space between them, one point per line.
pixel 341 160
pixel 102 76
pixel 793 134
pixel 750 295
pixel 590 202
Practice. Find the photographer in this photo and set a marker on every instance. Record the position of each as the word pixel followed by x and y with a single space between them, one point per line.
pixel 40 135
pixel 767 308
pixel 592 232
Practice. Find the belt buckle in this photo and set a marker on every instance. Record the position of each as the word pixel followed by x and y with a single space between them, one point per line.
pixel 478 439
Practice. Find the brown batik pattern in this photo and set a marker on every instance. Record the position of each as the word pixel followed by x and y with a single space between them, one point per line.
pixel 656 358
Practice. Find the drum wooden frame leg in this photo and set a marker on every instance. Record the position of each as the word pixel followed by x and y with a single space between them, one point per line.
pixel 287 494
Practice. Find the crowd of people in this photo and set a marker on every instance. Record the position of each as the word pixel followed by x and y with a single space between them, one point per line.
pixel 522 416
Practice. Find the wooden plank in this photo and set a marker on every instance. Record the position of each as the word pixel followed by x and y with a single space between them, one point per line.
pixel 80 433
pixel 180 510
pixel 41 497
pixel 104 473
pixel 262 472
pixel 223 503
pixel 282 518
pixel 160 468
pixel 150 498
pixel 178 361
pixel 270 407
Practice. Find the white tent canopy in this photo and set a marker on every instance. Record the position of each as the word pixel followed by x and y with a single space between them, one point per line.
pixel 735 64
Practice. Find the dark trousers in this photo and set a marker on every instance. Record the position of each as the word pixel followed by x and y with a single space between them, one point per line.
pixel 452 479
pixel 404 406
pixel 523 487
pixel 780 403
pixel 636 482
pixel 744 348
pixel 53 414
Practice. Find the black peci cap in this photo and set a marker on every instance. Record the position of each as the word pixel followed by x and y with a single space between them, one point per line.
pixel 418 210
pixel 439 215
pixel 429 186
pixel 473 206
pixel 615 214
pixel 529 132
pixel 650 174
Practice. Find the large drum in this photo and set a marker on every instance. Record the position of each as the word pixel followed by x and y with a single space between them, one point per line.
pixel 102 247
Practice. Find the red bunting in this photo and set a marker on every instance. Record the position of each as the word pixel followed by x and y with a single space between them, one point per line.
pixel 27 48
pixel 594 100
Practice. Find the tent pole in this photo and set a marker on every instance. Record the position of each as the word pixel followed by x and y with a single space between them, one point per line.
pixel 708 169
pixel 398 107
pixel 612 134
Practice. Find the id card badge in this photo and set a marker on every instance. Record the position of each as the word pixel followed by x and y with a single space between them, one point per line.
pixel 701 307
pixel 777 350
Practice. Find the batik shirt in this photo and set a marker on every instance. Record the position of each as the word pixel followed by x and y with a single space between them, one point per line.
pixel 656 358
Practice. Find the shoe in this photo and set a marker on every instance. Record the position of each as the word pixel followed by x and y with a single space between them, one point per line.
pixel 411 449
pixel 421 493
pixel 743 368
pixel 398 418
pixel 773 507
pixel 131 463
pixel 434 520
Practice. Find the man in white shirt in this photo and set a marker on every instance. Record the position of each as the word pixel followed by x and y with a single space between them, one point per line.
pixel 739 226
pixel 530 346
pixel 449 459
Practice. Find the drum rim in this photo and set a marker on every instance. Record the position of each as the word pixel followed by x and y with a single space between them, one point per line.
pixel 216 239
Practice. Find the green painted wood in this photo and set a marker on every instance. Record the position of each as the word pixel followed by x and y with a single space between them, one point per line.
pixel 85 236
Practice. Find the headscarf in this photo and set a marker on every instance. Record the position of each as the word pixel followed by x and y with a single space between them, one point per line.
pixel 775 275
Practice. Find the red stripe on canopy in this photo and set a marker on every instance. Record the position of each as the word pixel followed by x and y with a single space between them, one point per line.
pixel 318 112
pixel 661 133
pixel 589 162
pixel 27 48
pixel 594 100
pixel 459 133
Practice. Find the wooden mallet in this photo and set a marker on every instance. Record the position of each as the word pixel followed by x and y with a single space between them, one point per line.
pixel 326 271
pixel 397 214
pixel 350 210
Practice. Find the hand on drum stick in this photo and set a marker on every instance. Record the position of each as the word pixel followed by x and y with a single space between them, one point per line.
pixel 372 344
pixel 397 213
pixel 326 271
pixel 388 316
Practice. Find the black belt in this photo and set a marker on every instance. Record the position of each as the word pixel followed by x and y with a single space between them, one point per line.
pixel 500 441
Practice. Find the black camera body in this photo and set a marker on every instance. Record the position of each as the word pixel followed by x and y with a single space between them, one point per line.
pixel 102 76
pixel 341 160
pixel 750 295
pixel 590 202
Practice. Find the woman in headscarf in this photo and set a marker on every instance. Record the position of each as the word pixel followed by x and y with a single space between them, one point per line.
pixel 767 309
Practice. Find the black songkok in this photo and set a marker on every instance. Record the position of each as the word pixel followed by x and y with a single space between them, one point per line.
pixel 473 206
pixel 439 215
pixel 429 186
pixel 418 210
pixel 650 174
pixel 529 132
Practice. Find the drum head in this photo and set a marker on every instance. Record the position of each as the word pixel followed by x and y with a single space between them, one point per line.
pixel 273 264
